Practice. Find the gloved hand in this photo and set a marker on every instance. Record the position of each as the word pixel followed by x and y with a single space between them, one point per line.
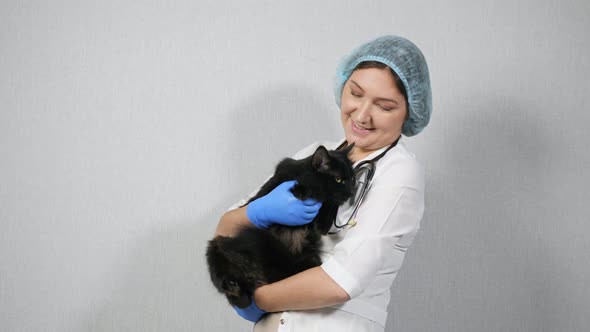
pixel 251 312
pixel 280 206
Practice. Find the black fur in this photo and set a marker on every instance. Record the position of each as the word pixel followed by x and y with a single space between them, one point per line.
pixel 255 257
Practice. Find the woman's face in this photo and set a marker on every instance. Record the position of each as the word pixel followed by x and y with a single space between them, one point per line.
pixel 373 110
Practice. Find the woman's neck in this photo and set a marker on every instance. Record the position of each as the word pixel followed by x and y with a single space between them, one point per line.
pixel 357 154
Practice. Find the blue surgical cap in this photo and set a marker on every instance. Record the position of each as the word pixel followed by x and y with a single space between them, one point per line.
pixel 407 62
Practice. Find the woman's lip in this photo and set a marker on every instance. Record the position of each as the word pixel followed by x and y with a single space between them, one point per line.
pixel 359 130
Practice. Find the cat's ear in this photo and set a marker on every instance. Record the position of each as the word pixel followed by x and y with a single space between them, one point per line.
pixel 348 149
pixel 321 159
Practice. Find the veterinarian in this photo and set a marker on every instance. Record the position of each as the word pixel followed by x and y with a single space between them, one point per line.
pixel 383 91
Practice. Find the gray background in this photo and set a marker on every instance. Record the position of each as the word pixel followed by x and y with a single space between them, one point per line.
pixel 127 128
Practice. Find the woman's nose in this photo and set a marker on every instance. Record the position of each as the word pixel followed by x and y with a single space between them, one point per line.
pixel 363 113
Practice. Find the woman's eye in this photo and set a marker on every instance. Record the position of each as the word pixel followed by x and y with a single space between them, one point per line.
pixel 386 108
pixel 338 179
pixel 355 93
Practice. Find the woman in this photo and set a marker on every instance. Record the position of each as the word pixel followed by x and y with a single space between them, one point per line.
pixel 383 91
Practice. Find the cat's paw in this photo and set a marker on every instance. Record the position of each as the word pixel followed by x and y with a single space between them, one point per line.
pixel 235 294
pixel 300 191
pixel 231 288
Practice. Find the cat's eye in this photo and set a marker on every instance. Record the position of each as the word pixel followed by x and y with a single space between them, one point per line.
pixel 338 179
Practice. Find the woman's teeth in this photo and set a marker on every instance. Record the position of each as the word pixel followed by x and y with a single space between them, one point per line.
pixel 360 127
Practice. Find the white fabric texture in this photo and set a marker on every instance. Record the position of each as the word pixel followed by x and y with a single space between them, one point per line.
pixel 365 259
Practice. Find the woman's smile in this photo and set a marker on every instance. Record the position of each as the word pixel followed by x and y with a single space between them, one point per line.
pixel 360 129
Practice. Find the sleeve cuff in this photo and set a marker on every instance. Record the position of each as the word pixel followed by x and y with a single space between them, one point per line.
pixel 342 277
pixel 238 204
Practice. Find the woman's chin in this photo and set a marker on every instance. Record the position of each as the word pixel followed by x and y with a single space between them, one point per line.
pixel 359 141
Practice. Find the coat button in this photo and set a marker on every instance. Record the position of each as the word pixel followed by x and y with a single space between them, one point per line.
pixel 282 321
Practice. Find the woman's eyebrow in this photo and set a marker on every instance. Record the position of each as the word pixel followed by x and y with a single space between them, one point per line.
pixel 388 100
pixel 380 99
pixel 358 86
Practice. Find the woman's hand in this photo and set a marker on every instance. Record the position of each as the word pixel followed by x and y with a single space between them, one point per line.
pixel 280 206
pixel 251 312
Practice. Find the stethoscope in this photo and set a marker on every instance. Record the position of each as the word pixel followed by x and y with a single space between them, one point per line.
pixel 363 173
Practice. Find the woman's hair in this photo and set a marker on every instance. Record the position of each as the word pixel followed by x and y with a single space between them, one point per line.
pixel 380 65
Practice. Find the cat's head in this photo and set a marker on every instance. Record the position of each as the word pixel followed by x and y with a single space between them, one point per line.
pixel 335 173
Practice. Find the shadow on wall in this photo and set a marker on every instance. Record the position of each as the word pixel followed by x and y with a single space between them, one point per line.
pixel 273 125
pixel 483 261
pixel 165 286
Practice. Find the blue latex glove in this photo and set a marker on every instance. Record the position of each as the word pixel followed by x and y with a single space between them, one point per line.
pixel 280 207
pixel 251 312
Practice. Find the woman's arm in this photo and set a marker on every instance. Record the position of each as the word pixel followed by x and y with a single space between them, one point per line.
pixel 309 289
pixel 231 221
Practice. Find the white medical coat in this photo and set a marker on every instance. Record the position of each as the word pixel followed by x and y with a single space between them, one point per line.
pixel 365 259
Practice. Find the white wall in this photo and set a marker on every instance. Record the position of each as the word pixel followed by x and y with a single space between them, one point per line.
pixel 127 128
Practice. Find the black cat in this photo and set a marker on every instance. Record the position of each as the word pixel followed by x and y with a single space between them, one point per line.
pixel 255 256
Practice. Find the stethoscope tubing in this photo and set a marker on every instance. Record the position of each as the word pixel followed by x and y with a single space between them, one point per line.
pixel 370 165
